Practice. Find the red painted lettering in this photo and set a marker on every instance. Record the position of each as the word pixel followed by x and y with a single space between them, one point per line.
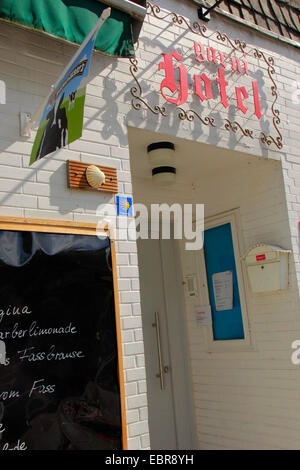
pixel 239 92
pixel 169 80
pixel 211 55
pixel 176 79
pixel 222 85
pixel 222 59
pixel 256 100
pixel 199 52
pixel 235 64
pixel 207 95
pixel 245 65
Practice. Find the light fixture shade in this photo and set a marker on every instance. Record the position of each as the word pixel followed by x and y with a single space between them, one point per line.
pixel 95 177
pixel 162 160
pixel 161 153
pixel 164 175
pixel 164 179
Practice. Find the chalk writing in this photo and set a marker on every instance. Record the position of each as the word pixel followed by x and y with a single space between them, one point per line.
pixel 41 388
pixel 4 334
pixel 19 446
pixel 6 395
pixel 35 330
pixel 14 311
pixel 30 355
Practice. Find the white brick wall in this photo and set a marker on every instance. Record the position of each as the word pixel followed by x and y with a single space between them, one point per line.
pixel 239 390
pixel 249 399
pixel 243 398
pixel 41 190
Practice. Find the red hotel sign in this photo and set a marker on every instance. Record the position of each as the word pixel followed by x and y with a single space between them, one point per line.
pixel 186 76
pixel 202 83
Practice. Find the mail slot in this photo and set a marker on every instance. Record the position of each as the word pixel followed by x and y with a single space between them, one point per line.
pixel 267 268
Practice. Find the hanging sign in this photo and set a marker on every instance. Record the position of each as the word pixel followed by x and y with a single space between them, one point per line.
pixel 62 118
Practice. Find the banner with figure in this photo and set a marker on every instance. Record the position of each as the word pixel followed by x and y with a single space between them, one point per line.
pixel 62 117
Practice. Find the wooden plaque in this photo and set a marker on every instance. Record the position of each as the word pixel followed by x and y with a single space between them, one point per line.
pixel 77 178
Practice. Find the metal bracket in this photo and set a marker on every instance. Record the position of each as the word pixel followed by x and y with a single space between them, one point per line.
pixel 204 12
pixel 25 121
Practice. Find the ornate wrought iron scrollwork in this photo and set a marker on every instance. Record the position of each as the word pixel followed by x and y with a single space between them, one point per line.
pixel 177 19
pixel 190 115
pixel 234 126
pixel 137 92
pixel 236 44
pixel 275 111
pixel 268 139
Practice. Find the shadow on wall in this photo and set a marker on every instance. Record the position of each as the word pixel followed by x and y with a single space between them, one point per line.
pixel 107 112
pixel 26 96
pixel 82 202
pixel 146 110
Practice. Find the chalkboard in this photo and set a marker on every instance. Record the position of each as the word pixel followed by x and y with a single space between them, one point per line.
pixel 59 386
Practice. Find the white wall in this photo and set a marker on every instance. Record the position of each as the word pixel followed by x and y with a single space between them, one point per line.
pixel 30 63
pixel 244 399
pixel 249 399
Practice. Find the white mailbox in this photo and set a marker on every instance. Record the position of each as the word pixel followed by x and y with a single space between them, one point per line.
pixel 267 268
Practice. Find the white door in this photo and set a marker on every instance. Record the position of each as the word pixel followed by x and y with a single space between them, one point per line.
pixel 171 421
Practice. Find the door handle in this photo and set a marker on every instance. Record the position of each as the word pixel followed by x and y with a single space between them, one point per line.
pixel 160 363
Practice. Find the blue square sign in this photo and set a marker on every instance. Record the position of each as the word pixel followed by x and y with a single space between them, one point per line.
pixel 124 205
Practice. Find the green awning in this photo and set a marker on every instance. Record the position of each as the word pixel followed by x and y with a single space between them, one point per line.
pixel 73 20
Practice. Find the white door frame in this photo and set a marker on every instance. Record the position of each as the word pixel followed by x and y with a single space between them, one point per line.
pixel 178 346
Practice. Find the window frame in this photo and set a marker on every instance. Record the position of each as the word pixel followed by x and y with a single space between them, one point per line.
pixel 81 228
pixel 212 345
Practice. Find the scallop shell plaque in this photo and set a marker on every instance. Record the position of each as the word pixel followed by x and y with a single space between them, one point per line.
pixel 95 177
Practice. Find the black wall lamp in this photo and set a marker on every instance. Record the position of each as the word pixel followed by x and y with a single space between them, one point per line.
pixel 204 9
pixel 162 160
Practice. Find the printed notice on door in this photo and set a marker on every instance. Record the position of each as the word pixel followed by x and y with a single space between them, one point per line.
pixel 223 290
pixel 203 315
